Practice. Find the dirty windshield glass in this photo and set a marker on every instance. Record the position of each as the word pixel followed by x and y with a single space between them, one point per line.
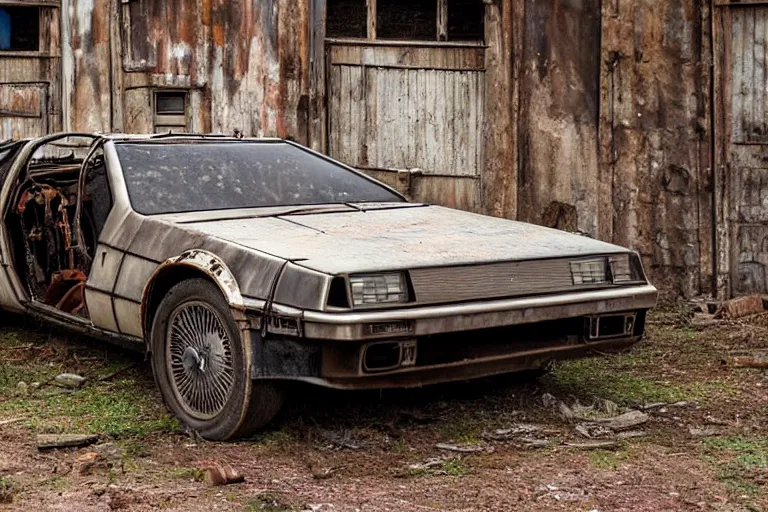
pixel 184 177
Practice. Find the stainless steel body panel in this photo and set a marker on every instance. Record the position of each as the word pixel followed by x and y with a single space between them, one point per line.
pixel 400 238
pixel 469 272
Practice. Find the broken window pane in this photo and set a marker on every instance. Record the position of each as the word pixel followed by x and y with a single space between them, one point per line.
pixel 346 18
pixel 407 19
pixel 20 29
pixel 466 20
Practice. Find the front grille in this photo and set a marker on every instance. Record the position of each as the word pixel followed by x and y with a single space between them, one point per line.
pixel 495 280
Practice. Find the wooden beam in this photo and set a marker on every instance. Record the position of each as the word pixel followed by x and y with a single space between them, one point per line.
pixel 442 20
pixel 371 18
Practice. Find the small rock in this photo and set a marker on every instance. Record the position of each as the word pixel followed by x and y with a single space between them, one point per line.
pixel 35 385
pixel 704 431
pixel 548 400
pixel 70 380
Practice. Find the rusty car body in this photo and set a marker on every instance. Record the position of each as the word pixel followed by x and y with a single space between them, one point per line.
pixel 238 264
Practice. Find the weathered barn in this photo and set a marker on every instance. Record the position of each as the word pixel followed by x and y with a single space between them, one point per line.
pixel 641 122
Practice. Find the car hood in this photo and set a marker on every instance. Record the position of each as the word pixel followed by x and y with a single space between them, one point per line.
pixel 414 236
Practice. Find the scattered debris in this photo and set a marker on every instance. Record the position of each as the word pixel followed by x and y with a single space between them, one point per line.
pixel 608 407
pixel 593 445
pixel 51 441
pixel 429 464
pixel 631 434
pixel 548 400
pixel 86 463
pixel 566 412
pixel 505 434
pixel 535 443
pixel 70 380
pixel 592 430
pixel 740 307
pixel 462 448
pixel 707 431
pixel 222 474
pixel 751 359
pixel 117 372
pixel 625 421
pixel 11 421
pixel 342 440
pixel 653 405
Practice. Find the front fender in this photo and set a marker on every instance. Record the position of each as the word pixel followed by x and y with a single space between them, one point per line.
pixel 202 261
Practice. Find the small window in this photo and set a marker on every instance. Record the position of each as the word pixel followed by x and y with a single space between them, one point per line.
pixel 347 18
pixel 19 29
pixel 407 19
pixel 466 20
pixel 171 111
pixel 416 20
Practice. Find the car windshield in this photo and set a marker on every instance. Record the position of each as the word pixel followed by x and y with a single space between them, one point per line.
pixel 199 176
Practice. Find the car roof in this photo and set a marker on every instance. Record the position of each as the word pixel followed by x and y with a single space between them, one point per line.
pixel 150 137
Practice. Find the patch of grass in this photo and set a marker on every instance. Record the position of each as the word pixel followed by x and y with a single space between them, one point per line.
pixel 124 408
pixel 267 502
pixel 454 467
pixel 741 461
pixel 606 459
pixel 274 437
pixel 603 378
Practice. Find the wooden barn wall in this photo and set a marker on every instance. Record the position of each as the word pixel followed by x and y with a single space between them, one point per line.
pixel 245 65
pixel 598 113
pixel 655 138
pixel 558 117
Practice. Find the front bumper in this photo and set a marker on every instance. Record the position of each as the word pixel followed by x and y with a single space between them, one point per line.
pixel 453 342
pixel 424 321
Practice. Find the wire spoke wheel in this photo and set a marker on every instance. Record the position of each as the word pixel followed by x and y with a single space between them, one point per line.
pixel 199 359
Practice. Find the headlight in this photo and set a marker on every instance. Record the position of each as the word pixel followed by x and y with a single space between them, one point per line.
pixel 592 271
pixel 378 289
pixel 626 268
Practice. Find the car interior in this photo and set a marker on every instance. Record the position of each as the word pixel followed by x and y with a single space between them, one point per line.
pixel 57 210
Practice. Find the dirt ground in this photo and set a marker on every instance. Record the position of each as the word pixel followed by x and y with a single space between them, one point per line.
pixel 704 445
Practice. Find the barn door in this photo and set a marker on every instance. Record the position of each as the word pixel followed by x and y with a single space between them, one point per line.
pixel 406 94
pixel 742 113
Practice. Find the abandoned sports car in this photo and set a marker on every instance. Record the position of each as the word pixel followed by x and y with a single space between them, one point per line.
pixel 239 264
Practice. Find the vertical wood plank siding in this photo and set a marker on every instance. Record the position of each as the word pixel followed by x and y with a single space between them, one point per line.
pixel 425 119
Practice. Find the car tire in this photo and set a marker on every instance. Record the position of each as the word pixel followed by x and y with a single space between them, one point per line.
pixel 202 366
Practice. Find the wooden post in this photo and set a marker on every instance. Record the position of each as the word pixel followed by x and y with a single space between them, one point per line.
pixel 442 20
pixel 371 19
